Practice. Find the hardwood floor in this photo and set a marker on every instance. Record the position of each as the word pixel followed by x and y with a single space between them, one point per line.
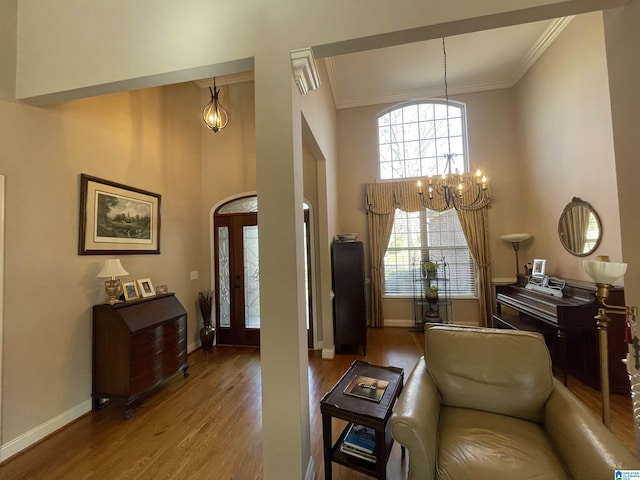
pixel 209 425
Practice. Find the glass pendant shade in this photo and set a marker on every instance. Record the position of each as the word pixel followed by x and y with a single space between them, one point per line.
pixel 516 237
pixel 604 273
pixel 214 116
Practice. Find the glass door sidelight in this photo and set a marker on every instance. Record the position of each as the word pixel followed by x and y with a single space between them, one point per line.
pixel 237 274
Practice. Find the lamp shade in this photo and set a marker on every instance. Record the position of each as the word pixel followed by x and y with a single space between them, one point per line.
pixel 112 268
pixel 604 273
pixel 515 237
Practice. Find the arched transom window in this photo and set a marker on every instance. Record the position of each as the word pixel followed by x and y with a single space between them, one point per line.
pixel 412 142
pixel 413 139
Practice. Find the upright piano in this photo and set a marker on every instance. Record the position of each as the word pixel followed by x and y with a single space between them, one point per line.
pixel 568 327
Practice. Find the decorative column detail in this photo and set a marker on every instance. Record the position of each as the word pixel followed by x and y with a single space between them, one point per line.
pixel 305 72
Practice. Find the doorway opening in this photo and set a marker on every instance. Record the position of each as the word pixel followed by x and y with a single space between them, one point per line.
pixel 237 275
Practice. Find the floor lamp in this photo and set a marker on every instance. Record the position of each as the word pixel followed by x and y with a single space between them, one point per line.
pixel 515 239
pixel 604 273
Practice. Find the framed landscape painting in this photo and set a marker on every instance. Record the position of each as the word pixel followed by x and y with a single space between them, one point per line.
pixel 117 219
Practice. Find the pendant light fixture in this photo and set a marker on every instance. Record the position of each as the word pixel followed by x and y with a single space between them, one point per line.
pixel 214 116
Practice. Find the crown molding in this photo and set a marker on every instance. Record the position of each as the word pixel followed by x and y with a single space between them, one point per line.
pixel 419 94
pixel 305 71
pixel 330 66
pixel 552 32
pixel 542 43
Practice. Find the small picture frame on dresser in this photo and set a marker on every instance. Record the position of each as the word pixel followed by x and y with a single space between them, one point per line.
pixel 145 287
pixel 162 289
pixel 130 290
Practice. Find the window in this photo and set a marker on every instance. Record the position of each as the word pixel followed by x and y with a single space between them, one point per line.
pixel 412 141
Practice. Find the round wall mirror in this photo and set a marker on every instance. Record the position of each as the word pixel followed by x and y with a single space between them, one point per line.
pixel 579 228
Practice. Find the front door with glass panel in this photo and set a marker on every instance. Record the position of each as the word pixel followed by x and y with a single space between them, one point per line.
pixel 237 273
pixel 238 316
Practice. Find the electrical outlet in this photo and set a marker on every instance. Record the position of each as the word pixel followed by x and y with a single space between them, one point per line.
pixel 193 275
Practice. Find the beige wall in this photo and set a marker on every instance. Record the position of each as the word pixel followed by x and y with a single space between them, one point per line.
pixel 69 50
pixel 567 144
pixel 147 139
pixel 8 49
pixel 320 138
pixel 622 37
pixel 229 171
pixel 492 147
pixel 171 39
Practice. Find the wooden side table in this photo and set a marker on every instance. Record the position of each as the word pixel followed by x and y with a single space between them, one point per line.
pixel 375 415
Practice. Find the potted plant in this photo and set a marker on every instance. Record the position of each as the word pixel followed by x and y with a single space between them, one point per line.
pixel 432 294
pixel 208 331
pixel 429 269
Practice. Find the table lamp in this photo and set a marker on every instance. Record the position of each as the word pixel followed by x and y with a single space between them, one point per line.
pixel 604 273
pixel 515 239
pixel 112 268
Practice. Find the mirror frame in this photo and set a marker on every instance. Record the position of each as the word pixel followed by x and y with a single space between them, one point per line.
pixel 575 203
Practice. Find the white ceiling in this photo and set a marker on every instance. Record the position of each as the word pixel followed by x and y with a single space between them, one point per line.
pixel 477 61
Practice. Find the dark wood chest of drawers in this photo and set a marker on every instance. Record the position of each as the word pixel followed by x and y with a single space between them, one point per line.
pixel 136 347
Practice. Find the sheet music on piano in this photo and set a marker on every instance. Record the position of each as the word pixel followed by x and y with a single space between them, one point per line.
pixel 546 284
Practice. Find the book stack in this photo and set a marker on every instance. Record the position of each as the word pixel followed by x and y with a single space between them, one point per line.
pixel 360 442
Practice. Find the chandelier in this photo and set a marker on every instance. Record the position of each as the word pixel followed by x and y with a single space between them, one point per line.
pixel 453 189
pixel 214 116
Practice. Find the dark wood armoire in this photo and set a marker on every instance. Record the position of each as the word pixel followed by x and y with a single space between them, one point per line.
pixel 349 304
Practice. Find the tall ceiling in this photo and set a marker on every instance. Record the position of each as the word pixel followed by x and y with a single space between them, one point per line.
pixel 477 61
pixel 485 60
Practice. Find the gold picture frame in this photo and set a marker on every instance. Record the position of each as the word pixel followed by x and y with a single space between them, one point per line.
pixel 130 290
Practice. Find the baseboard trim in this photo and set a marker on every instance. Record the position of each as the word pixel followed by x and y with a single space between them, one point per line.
pixel 310 475
pixel 393 322
pixel 193 346
pixel 329 353
pixel 41 431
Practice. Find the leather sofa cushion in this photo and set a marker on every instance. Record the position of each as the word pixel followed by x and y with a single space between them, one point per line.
pixel 489 446
pixel 506 372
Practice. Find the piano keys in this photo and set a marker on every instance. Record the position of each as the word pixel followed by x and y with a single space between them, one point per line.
pixel 568 327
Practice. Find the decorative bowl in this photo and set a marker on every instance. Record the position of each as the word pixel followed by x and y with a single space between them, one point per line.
pixel 347 237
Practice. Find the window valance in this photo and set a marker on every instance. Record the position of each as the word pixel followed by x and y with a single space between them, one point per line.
pixel 384 197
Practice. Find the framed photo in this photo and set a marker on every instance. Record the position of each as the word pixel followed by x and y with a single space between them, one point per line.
pixel 145 287
pixel 160 289
pixel 130 290
pixel 117 219
pixel 538 267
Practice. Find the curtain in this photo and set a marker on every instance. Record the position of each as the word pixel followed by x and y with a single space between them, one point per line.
pixel 381 201
pixel 380 226
pixel 475 227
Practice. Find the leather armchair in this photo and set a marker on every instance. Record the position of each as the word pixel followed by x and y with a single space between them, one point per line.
pixel 483 404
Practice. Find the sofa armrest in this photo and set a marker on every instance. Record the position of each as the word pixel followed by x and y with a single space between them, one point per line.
pixel 585 445
pixel 414 421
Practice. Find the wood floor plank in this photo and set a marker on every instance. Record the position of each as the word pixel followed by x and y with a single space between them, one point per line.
pixel 208 426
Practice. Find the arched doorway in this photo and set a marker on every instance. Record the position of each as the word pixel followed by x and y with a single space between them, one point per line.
pixel 236 253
